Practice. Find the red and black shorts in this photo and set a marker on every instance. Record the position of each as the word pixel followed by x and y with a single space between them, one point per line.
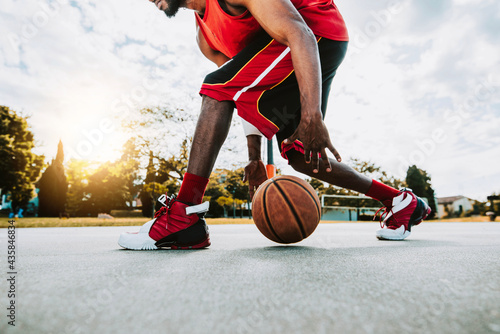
pixel 262 83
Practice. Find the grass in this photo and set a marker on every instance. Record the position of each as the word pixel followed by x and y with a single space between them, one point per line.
pixel 481 219
pixel 79 222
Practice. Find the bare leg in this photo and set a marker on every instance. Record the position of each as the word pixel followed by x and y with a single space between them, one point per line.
pixel 211 132
pixel 341 174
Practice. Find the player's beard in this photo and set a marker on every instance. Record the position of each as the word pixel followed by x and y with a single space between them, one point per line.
pixel 173 7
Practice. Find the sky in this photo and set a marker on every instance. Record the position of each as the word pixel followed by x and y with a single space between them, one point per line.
pixel 420 83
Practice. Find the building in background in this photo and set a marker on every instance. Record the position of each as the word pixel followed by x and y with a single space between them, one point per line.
pixel 5 203
pixel 454 206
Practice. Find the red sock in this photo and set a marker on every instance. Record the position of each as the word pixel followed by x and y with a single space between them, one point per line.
pixel 192 189
pixel 381 192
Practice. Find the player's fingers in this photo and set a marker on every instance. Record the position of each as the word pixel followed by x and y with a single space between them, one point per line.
pixel 335 153
pixel 290 140
pixel 307 156
pixel 315 162
pixel 254 190
pixel 326 161
pixel 246 173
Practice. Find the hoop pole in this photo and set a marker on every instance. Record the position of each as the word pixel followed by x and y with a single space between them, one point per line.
pixel 270 167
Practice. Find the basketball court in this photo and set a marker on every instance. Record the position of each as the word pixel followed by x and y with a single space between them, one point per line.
pixel 445 278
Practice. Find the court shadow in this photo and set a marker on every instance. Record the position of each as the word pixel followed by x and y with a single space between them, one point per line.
pixel 419 243
pixel 382 247
pixel 282 252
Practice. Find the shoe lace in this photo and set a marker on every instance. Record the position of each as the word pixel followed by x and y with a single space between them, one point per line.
pixel 167 202
pixel 384 214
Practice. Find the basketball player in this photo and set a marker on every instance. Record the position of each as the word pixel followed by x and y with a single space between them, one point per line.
pixel 276 63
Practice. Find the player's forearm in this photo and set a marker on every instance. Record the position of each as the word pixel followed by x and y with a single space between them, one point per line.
pixel 306 63
pixel 254 147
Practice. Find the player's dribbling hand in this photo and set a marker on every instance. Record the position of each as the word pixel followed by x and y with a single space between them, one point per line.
pixel 255 174
pixel 315 138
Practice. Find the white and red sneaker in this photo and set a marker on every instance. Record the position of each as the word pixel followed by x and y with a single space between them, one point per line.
pixel 406 210
pixel 176 225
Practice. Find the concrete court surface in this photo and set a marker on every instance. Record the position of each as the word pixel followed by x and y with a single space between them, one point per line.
pixel 445 278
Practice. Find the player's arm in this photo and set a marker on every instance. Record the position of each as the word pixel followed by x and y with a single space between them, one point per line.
pixel 283 22
pixel 255 171
pixel 215 56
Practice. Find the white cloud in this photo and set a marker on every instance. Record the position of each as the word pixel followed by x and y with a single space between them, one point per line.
pixel 81 59
pixel 411 70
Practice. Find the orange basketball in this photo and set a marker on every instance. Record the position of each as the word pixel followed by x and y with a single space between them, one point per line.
pixel 286 209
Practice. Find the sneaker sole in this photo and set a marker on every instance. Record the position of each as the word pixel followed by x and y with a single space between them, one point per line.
pixel 193 237
pixel 204 244
pixel 148 245
pixel 137 241
pixel 383 235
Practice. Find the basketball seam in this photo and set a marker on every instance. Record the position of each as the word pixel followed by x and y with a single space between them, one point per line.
pixel 299 222
pixel 310 195
pixel 268 221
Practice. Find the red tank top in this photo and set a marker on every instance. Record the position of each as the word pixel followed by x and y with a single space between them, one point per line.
pixel 230 34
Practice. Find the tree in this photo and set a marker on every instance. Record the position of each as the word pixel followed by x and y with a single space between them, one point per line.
pixel 238 190
pixel 226 187
pixel 373 171
pixel 107 189
pixel 366 168
pixel 234 184
pixel 318 185
pixel 174 167
pixel 78 173
pixel 19 166
pixel 420 182
pixel 215 189
pixel 114 185
pixel 130 165
pixel 146 195
pixel 229 203
pixel 96 188
pixel 169 175
pixel 53 187
pixel 163 129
